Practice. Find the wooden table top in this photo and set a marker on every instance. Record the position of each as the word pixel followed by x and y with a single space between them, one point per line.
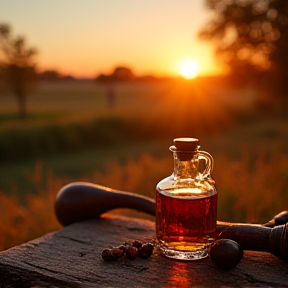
pixel 71 257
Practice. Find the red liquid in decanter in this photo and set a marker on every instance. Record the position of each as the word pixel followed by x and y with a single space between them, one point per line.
pixel 186 220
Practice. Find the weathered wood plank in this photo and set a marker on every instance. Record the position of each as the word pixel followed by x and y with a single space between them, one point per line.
pixel 71 257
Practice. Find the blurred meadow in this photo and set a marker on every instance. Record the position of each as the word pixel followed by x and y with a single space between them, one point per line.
pixel 115 129
pixel 71 134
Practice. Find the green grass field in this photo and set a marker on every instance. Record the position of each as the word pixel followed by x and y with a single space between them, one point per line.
pixel 71 129
pixel 71 134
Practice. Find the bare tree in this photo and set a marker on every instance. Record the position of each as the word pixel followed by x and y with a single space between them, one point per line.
pixel 18 65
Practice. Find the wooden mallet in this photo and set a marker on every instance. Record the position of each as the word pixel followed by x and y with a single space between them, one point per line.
pixel 82 201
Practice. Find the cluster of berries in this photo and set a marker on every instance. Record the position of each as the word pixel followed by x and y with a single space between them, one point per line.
pixel 131 250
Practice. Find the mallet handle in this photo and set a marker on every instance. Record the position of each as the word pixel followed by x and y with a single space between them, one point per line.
pixel 250 236
pixel 82 201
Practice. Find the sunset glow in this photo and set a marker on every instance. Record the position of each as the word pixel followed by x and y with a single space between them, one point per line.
pixel 98 36
pixel 189 69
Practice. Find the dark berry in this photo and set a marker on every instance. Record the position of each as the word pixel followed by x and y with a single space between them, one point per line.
pixel 131 252
pixel 107 255
pixel 136 244
pixel 146 250
pixel 122 247
pixel 117 252
pixel 226 253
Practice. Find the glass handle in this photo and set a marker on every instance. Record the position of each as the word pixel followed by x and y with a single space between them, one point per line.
pixel 209 163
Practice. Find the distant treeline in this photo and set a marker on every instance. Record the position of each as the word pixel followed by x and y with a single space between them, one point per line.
pixel 124 74
pixel 120 74
pixel 53 75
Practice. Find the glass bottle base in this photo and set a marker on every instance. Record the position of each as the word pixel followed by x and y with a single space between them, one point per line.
pixel 184 255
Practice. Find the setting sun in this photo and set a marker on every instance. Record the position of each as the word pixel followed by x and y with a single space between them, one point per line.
pixel 189 69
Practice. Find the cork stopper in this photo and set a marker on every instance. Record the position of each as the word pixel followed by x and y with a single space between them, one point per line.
pixel 186 144
pixel 184 147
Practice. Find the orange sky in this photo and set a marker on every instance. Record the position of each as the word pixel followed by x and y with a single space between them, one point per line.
pixel 88 37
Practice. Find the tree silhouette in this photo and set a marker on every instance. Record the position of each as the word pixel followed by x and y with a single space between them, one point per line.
pixel 17 65
pixel 120 74
pixel 251 37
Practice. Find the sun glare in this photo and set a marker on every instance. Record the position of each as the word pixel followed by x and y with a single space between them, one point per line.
pixel 189 69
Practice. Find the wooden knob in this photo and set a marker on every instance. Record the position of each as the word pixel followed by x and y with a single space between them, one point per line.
pixel 81 201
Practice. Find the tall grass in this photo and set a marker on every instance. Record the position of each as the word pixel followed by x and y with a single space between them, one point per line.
pixel 251 189
pixel 28 216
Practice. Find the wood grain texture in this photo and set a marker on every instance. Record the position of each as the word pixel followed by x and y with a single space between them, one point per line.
pixel 71 257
